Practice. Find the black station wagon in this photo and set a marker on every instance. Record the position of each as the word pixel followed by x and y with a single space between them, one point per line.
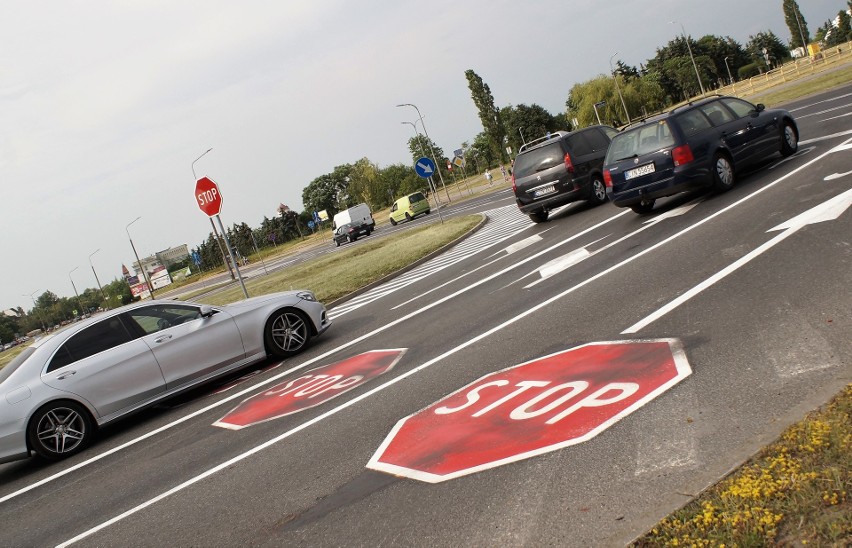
pixel 700 145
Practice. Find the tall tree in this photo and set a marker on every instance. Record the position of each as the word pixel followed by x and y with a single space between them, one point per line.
pixel 775 50
pixel 524 123
pixel 488 113
pixel 797 24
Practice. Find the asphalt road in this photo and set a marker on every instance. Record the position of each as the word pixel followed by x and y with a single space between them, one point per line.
pixel 751 285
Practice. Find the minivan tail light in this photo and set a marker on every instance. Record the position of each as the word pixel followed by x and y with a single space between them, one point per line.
pixel 568 165
pixel 682 155
pixel 607 178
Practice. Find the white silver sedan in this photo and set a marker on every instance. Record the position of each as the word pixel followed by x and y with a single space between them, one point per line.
pixel 62 387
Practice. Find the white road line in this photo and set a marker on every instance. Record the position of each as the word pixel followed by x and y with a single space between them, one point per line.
pixel 431 362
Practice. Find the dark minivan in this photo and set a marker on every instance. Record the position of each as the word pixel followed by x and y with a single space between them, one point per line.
pixel 560 168
pixel 699 145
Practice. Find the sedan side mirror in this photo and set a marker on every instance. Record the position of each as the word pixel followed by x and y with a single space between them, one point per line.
pixel 206 310
pixel 760 107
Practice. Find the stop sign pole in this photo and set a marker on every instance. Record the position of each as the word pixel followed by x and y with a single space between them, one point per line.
pixel 209 200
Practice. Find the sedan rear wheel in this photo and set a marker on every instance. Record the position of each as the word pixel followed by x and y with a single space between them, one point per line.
pixel 723 173
pixel 59 430
pixel 287 332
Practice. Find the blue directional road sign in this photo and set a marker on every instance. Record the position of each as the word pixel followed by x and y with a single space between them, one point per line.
pixel 424 167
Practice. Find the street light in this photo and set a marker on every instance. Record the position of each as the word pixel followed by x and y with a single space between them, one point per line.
pixel 435 158
pixel 43 328
pixel 212 224
pixel 83 310
pixel 96 276
pixel 801 33
pixel 689 48
pixel 138 262
pixel 617 87
pixel 731 78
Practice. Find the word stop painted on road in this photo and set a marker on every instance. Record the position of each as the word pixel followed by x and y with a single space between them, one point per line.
pixel 315 387
pixel 530 409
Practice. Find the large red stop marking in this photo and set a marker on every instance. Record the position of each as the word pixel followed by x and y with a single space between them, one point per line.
pixel 532 408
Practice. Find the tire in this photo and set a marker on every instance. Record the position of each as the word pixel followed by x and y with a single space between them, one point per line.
pixel 60 429
pixel 393 223
pixel 407 216
pixel 643 208
pixel 428 211
pixel 723 173
pixel 789 140
pixel 352 238
pixel 337 242
pixel 597 191
pixel 538 216
pixel 287 333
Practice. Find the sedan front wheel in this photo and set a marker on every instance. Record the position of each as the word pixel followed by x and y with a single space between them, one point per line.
pixel 59 429
pixel 287 333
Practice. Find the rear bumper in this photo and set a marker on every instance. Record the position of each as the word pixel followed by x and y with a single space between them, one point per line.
pixel 680 182
pixel 552 202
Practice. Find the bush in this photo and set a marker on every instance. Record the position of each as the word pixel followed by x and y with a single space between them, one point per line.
pixel 747 71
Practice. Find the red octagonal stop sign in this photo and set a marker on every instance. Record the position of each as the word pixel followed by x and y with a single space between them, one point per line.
pixel 530 409
pixel 208 196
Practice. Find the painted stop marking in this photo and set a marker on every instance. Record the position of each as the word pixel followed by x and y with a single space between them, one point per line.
pixel 530 409
pixel 315 387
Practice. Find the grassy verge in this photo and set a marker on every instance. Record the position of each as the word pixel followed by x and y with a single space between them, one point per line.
pixel 337 274
pixel 815 84
pixel 795 492
pixel 8 355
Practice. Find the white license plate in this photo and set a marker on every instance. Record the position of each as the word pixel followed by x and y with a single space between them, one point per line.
pixel 639 171
pixel 545 190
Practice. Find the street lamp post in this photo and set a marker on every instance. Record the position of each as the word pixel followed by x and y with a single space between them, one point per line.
pixel 435 158
pixel 801 33
pixel 617 87
pixel 96 277
pixel 523 141
pixel 730 78
pixel 138 262
pixel 40 319
pixel 82 308
pixel 689 48
pixel 432 186
pixel 212 224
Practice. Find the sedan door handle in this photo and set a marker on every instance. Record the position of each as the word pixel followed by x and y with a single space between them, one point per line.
pixel 66 375
pixel 162 339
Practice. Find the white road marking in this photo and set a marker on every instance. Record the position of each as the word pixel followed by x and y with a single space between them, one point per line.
pixel 825 137
pixel 826 211
pixel 845 95
pixel 526 242
pixel 832 109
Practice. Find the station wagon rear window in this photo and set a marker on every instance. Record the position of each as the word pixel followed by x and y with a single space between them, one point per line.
pixel 640 141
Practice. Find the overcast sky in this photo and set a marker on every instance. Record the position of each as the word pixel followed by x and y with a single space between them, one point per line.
pixel 104 105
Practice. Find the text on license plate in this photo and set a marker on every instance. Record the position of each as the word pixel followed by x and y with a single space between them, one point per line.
pixel 544 190
pixel 638 171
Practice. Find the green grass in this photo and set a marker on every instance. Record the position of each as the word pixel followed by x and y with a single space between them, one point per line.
pixel 815 84
pixel 8 355
pixel 337 274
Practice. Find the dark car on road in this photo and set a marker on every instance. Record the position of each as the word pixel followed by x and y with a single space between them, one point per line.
pixel 560 168
pixel 704 144
pixel 350 232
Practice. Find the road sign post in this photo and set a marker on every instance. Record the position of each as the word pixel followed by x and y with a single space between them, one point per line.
pixel 209 200
pixel 531 409
pixel 425 167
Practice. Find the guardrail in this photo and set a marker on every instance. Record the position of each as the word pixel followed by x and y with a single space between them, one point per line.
pixel 793 70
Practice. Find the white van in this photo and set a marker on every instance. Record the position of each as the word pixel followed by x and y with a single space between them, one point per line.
pixel 359 214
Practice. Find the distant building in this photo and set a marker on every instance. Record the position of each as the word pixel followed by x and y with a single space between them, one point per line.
pixel 173 255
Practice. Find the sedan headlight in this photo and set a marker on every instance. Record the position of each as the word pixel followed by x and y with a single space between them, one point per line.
pixel 306 296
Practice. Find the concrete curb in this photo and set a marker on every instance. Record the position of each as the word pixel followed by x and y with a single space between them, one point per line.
pixel 409 267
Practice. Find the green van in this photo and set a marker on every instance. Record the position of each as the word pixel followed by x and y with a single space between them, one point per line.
pixel 409 207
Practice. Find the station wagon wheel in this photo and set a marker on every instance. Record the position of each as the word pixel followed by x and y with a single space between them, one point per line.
pixel 287 332
pixel 789 140
pixel 597 191
pixel 723 173
pixel 59 429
